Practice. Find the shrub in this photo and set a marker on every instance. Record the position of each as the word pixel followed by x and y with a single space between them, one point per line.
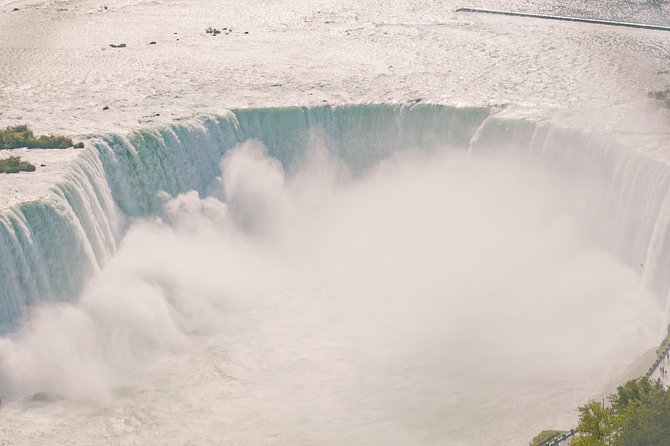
pixel 14 164
pixel 22 136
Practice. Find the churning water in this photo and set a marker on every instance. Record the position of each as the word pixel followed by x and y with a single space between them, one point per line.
pixel 356 275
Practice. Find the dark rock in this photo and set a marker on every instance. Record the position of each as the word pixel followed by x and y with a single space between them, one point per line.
pixel 105 107
pixel 45 397
pixel 152 43
pixel 120 45
pixel 660 94
pixel 246 32
pixel 15 9
pixel 43 165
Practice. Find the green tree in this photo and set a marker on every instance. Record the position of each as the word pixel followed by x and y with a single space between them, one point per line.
pixel 645 422
pixel 595 420
pixel 585 440
pixel 639 416
pixel 636 391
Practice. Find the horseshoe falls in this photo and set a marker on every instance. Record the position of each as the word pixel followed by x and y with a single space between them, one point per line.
pixel 361 274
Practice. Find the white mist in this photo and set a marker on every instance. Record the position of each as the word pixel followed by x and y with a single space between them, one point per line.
pixel 437 299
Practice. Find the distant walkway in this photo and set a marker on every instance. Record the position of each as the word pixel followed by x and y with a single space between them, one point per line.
pixel 561 439
pixel 660 369
pixel 567 19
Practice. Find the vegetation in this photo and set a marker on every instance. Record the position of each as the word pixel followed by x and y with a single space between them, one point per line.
pixel 22 136
pixel 14 164
pixel 638 415
pixel 544 437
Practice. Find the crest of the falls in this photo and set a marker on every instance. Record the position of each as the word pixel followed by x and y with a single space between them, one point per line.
pixel 51 246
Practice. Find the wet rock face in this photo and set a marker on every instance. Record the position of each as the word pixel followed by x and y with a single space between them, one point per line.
pixel 45 397
pixel 661 95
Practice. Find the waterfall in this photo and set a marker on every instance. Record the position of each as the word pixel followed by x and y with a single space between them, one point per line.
pixel 622 192
pixel 49 248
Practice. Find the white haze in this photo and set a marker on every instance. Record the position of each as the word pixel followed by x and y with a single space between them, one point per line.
pixel 437 299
